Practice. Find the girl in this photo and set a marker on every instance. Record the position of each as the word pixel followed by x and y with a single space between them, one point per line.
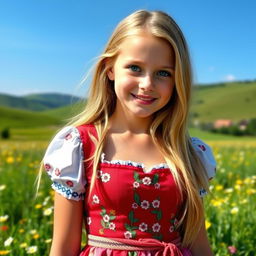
pixel 149 202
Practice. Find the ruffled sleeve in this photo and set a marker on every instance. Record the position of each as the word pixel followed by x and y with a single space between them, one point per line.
pixel 205 154
pixel 63 162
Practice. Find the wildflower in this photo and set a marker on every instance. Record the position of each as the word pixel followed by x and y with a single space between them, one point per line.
pixel 232 249
pixel 47 241
pixel 2 187
pixel 4 218
pixel 31 249
pixel 239 182
pixel 8 241
pixel 47 212
pixel 33 231
pixel 9 160
pixel 234 210
pixel 38 206
pixel 219 187
pixel 36 236
pixel 229 190
pixel 4 228
pixel 21 230
pixel 23 245
pixel 5 252
pixel 207 224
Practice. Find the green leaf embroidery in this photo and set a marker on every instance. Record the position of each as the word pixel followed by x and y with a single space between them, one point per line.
pixel 103 224
pixel 131 216
pixel 112 217
pixel 133 233
pixel 159 215
pixel 137 198
pixel 135 220
pixel 155 179
pixel 136 177
pixel 128 227
pixel 154 211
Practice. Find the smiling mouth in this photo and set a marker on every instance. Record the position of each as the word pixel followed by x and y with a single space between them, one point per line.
pixel 144 98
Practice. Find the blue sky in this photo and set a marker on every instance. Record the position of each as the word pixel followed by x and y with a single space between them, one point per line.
pixel 49 45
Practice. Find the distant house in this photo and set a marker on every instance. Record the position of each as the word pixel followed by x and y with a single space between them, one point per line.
pixel 222 123
pixel 243 124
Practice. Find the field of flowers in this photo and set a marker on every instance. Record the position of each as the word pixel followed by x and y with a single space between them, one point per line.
pixel 26 222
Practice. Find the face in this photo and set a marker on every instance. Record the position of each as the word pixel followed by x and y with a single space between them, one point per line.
pixel 143 75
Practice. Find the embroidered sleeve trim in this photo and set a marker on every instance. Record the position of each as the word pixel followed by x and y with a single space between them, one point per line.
pixel 67 192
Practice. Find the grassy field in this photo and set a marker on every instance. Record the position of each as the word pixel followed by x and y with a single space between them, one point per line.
pixel 26 222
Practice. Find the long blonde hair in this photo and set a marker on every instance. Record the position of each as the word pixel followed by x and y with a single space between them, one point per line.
pixel 169 125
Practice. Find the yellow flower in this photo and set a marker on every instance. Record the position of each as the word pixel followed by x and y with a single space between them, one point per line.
pixel 229 190
pixel 219 187
pixel 251 191
pixel 31 249
pixel 234 210
pixel 36 236
pixel 5 252
pixel 2 187
pixel 38 206
pixel 21 230
pixel 9 160
pixel 239 182
pixel 23 245
pixel 4 218
pixel 207 224
pixel 237 187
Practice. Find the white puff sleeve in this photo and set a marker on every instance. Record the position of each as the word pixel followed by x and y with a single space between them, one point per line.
pixel 205 154
pixel 63 162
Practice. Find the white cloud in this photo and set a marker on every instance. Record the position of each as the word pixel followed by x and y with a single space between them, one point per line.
pixel 229 78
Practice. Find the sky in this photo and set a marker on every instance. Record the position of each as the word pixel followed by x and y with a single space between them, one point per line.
pixel 50 45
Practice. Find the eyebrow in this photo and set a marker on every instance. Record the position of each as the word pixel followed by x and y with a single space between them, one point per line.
pixel 141 62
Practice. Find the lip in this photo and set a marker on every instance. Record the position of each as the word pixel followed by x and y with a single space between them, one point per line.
pixel 143 99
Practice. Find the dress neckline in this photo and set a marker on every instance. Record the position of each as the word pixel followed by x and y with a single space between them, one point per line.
pixel 134 164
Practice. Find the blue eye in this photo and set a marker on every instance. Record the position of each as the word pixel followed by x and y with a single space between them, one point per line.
pixel 134 68
pixel 164 73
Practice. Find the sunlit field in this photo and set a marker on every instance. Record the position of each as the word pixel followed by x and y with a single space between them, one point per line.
pixel 26 222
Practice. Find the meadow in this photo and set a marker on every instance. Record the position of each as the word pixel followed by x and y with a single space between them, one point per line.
pixel 26 221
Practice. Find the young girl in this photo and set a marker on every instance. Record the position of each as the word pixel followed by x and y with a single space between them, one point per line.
pixel 127 164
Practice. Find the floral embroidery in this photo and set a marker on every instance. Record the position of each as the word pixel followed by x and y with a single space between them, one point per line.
pixel 68 136
pixel 157 185
pixel 135 205
pixel 156 203
pixel 143 227
pixel 146 181
pixel 47 167
pixel 105 177
pixel 174 223
pixel 145 204
pixel 95 199
pixel 70 183
pixel 136 184
pixel 66 191
pixel 202 147
pixel 57 172
pixel 127 234
pixel 156 227
pixel 106 220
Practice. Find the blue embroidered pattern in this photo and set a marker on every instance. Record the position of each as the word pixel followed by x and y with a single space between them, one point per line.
pixel 67 192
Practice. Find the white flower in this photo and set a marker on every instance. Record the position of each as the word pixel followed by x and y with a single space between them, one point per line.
pixel 127 234
pixel 47 212
pixel 2 187
pixel 106 218
pixel 136 184
pixel 4 218
pixel 146 181
pixel 33 231
pixel 105 177
pixel 156 203
pixel 135 206
pixel 157 186
pixel 171 229
pixel 144 204
pixel 112 226
pixel 8 241
pixel 89 220
pixel 143 227
pixel 95 199
pixel 31 249
pixel 156 227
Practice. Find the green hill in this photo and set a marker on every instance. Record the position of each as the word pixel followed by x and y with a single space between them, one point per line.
pixel 37 102
pixel 235 101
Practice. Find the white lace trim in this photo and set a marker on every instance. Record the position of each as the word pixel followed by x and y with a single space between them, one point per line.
pixel 135 164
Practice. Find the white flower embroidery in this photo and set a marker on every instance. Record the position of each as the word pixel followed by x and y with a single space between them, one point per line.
pixel 135 206
pixel 145 204
pixel 156 203
pixel 136 184
pixel 95 199
pixel 156 227
pixel 146 181
pixel 105 177
pixel 127 234
pixel 106 218
pixel 143 227
pixel 89 220
pixel 171 229
pixel 157 186
pixel 112 226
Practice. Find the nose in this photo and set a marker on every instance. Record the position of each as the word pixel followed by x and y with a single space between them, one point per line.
pixel 146 82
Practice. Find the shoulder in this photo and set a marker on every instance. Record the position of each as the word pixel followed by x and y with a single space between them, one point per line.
pixel 205 154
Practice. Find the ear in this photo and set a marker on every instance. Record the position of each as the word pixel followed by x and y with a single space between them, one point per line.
pixel 111 75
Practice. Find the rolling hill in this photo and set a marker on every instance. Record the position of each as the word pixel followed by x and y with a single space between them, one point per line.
pixel 37 102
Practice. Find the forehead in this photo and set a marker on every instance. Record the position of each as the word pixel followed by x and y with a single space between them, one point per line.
pixel 146 47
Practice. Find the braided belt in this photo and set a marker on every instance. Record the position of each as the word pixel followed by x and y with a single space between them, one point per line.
pixel 160 248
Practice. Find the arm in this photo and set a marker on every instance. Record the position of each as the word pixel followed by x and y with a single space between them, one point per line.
pixel 201 246
pixel 67 229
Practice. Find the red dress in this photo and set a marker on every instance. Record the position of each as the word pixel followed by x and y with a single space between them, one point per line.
pixel 126 201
